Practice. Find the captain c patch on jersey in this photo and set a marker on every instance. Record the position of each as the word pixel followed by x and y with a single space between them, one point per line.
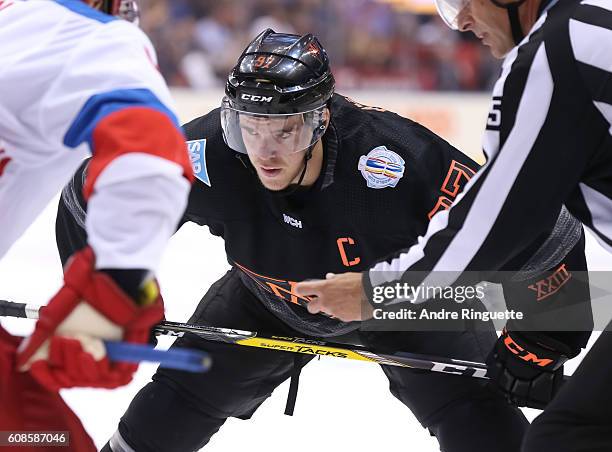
pixel 381 167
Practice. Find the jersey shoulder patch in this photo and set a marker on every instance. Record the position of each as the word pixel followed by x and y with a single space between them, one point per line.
pixel 197 154
pixel 381 167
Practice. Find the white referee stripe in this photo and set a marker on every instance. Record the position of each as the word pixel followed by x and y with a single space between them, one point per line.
pixel 591 44
pixel 606 110
pixel 490 138
pixel 600 207
pixel 503 172
pixel 118 444
pixel 388 271
pixel 492 194
pixel 606 4
pixel 384 272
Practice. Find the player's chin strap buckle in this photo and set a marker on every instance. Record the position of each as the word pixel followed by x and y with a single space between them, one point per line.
pixel 298 363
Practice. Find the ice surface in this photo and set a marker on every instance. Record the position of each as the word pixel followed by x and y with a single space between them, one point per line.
pixel 341 404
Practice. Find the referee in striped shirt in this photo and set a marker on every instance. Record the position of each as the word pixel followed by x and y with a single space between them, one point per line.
pixel 548 142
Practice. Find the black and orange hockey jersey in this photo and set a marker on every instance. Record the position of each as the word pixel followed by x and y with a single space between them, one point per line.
pixel 383 177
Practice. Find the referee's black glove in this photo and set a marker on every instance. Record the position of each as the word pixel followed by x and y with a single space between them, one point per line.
pixel 527 367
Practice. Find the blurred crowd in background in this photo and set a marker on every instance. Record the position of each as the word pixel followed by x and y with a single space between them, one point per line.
pixel 371 43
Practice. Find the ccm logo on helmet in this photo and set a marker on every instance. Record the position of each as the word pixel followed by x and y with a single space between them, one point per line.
pixel 256 98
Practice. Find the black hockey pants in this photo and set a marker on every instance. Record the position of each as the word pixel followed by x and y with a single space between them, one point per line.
pixel 180 411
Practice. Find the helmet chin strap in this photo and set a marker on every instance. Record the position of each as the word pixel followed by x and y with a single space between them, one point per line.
pixel 513 15
pixel 307 157
pixel 291 188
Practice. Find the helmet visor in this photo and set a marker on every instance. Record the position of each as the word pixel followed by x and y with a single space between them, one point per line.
pixel 449 11
pixel 281 134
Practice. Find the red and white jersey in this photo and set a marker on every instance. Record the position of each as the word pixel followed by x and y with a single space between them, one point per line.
pixel 75 82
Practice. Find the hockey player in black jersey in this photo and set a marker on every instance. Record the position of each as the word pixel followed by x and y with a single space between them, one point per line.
pixel 548 139
pixel 300 182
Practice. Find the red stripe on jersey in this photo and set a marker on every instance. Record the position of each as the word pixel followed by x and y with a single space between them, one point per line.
pixel 3 162
pixel 5 4
pixel 136 129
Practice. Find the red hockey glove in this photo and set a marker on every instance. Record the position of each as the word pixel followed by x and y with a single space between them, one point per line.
pixel 28 407
pixel 66 348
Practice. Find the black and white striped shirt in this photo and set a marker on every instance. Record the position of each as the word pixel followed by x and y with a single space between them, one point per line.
pixel 548 142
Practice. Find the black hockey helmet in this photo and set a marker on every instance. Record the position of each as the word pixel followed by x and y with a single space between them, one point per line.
pixel 281 74
pixel 279 82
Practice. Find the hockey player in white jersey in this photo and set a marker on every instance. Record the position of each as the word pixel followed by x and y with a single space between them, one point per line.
pixel 77 80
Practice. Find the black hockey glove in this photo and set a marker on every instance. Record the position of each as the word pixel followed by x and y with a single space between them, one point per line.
pixel 528 367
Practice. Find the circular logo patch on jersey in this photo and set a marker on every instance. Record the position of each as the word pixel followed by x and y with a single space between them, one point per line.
pixel 381 167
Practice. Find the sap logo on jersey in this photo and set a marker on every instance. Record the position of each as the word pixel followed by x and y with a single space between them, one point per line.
pixel 197 153
pixel 292 221
pixel 381 167
pixel 256 98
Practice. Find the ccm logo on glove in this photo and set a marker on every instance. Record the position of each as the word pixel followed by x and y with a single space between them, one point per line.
pixel 524 354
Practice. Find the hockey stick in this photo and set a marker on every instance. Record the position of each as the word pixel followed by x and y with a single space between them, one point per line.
pixel 292 344
pixel 185 359
pixel 179 359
